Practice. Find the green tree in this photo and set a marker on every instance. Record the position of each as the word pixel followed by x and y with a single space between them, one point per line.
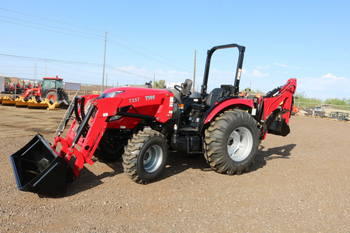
pixel 160 84
pixel 259 91
pixel 300 95
pixel 303 101
pixel 336 101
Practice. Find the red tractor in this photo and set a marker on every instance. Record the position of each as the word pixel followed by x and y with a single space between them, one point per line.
pixel 50 88
pixel 141 125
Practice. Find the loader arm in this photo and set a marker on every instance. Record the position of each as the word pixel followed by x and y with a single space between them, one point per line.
pixel 86 131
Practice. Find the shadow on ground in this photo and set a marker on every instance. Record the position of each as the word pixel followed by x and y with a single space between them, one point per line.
pixel 281 152
pixel 88 179
pixel 176 164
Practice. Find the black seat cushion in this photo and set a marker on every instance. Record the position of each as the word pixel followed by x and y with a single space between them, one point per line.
pixel 214 95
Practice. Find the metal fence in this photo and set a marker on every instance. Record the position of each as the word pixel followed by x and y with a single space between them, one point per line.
pixel 328 109
pixel 15 86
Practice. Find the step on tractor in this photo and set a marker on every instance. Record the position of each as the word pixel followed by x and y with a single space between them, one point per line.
pixel 50 88
pixel 140 125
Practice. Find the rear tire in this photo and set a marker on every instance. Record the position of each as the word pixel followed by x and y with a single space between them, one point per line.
pixel 51 95
pixel 232 142
pixel 145 156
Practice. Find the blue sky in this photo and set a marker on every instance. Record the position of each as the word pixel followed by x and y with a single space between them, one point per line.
pixel 283 39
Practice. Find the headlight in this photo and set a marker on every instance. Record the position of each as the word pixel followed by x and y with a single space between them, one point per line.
pixel 110 95
pixel 114 118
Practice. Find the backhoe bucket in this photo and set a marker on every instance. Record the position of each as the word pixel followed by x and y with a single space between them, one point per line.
pixel 39 169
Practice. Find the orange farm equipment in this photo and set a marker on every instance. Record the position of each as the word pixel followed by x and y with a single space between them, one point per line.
pixel 50 88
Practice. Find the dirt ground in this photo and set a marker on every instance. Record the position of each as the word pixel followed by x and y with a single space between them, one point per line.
pixel 298 183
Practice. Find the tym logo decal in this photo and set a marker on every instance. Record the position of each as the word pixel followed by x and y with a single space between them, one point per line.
pixel 150 97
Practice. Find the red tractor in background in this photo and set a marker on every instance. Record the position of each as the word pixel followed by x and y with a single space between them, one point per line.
pixel 141 125
pixel 50 88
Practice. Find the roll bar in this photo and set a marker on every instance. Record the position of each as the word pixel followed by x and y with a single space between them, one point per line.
pixel 238 70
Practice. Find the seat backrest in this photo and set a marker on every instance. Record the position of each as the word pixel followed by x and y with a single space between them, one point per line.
pixel 186 87
pixel 214 96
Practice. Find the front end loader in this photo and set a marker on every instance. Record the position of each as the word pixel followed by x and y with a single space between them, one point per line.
pixel 141 125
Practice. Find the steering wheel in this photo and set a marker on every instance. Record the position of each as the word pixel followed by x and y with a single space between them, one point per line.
pixel 178 88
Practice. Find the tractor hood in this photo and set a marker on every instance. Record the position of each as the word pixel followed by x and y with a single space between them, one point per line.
pixel 129 92
pixel 136 96
pixel 157 103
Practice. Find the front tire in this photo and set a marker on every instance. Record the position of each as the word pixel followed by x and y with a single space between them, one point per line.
pixel 145 156
pixel 232 142
pixel 109 149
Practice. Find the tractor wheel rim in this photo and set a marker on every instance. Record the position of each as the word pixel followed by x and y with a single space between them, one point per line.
pixel 52 97
pixel 153 158
pixel 239 144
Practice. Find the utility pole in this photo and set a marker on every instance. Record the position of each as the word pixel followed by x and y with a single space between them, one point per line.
pixel 104 62
pixel 106 79
pixel 45 66
pixel 35 71
pixel 154 80
pixel 194 72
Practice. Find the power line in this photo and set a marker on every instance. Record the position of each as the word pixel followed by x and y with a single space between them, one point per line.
pixel 65 72
pixel 49 26
pixel 144 55
pixel 49 49
pixel 49 19
pixel 67 62
pixel 142 76
pixel 73 68
pixel 74 34
pixel 49 30
pixel 23 67
pixel 124 71
pixel 149 51
pixel 51 60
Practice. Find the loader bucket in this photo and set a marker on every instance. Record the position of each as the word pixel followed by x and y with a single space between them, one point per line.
pixel 38 169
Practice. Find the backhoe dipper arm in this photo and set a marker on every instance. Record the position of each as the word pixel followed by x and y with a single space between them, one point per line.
pixel 277 102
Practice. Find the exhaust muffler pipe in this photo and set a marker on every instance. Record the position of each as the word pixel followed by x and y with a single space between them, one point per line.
pixel 39 169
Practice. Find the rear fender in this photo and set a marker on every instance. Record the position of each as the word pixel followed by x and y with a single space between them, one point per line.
pixel 230 103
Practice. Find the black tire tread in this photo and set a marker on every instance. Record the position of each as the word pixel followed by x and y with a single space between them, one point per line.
pixel 213 141
pixel 132 151
pixel 104 155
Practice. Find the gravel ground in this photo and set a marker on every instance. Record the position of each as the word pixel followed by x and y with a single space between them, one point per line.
pixel 298 183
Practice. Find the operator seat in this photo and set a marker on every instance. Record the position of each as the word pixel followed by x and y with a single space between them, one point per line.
pixel 214 96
